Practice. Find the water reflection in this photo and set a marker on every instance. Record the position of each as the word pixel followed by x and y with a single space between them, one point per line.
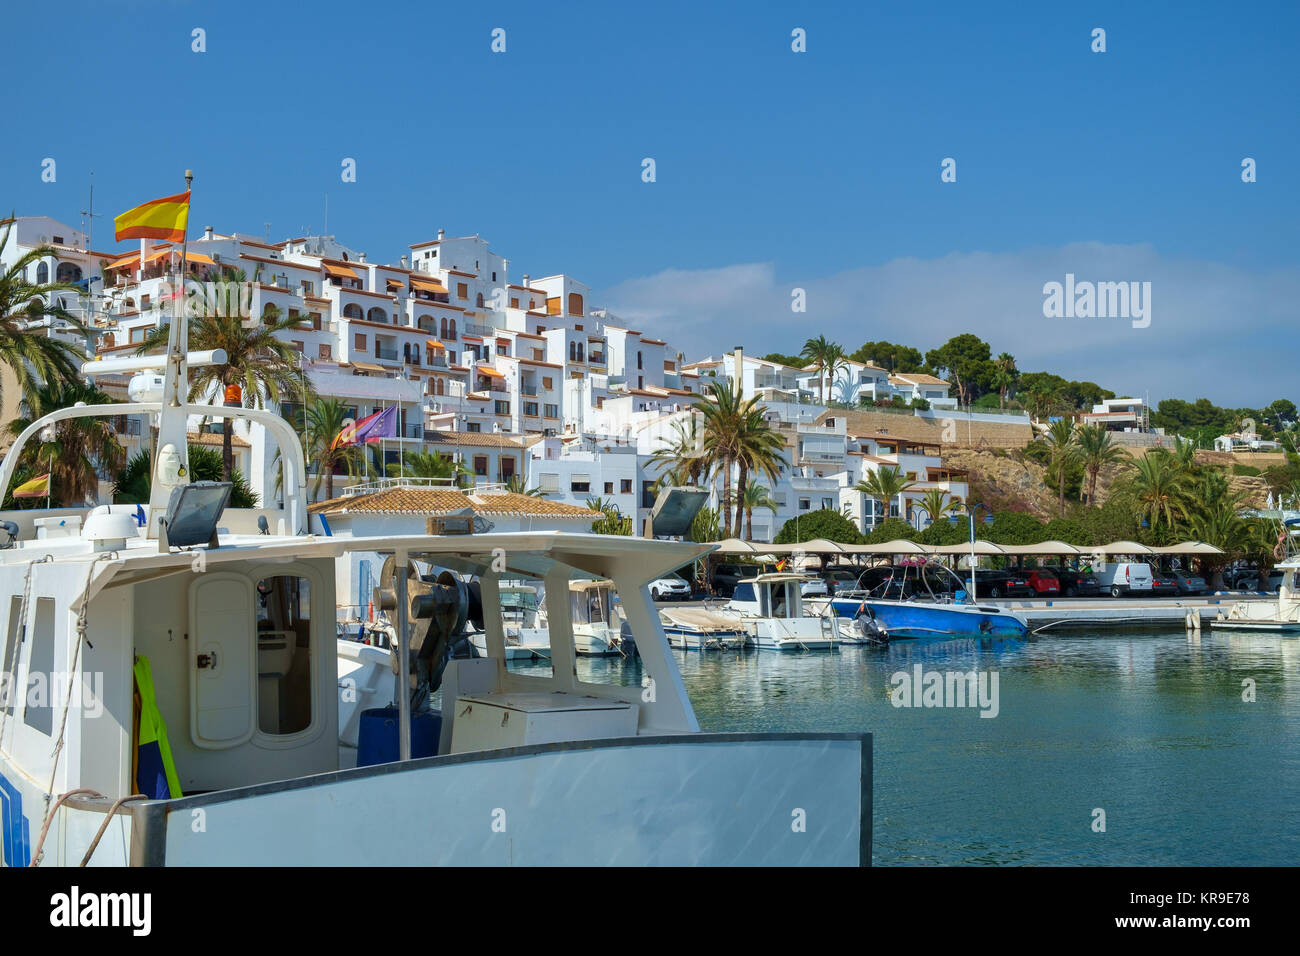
pixel 1152 728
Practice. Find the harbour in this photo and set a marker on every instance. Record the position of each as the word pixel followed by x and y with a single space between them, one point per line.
pixel 1148 726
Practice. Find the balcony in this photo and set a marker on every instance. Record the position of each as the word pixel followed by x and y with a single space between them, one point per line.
pixel 389 355
pixel 528 389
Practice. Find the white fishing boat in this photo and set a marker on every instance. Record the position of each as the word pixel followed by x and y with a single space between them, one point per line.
pixel 598 631
pixel 1281 616
pixel 525 640
pixel 770 608
pixel 700 629
pixel 176 695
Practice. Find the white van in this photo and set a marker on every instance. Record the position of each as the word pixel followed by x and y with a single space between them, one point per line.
pixel 1125 577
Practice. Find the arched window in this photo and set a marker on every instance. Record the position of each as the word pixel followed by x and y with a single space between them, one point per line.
pixel 426 322
pixel 451 331
pixel 573 351
pixel 581 356
pixel 269 312
pixel 352 311
pixel 443 327
pixel 377 314
pixel 42 273
pixel 479 300
pixel 441 389
pixel 67 272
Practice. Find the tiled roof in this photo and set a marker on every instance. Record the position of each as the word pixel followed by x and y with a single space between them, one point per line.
pixel 211 438
pixel 445 501
pixel 482 439
pixel 915 378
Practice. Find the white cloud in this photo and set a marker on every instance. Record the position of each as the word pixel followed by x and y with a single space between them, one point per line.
pixel 1217 330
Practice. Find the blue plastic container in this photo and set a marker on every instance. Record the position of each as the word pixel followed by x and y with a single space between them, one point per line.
pixel 377 740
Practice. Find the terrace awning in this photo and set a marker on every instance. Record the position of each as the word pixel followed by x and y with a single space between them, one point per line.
pixel 435 344
pixel 341 272
pixel 897 546
pixel 734 546
pixel 488 371
pixel 428 285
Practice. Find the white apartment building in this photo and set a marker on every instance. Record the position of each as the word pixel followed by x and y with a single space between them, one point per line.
pixel 512 379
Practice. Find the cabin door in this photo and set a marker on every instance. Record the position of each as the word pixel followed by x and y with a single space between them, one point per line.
pixel 222 676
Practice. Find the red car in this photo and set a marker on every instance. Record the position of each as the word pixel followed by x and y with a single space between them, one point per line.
pixel 1044 582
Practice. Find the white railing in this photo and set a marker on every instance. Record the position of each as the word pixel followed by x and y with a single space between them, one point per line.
pixel 447 484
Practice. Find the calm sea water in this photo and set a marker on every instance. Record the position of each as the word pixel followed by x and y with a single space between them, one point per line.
pixel 1151 728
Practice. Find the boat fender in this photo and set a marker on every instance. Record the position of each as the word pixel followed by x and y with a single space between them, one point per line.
pixel 986 626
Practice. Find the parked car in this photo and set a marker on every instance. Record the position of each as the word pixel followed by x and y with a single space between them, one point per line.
pixel 1075 583
pixel 841 579
pixel 1234 577
pixel 1164 583
pixel 1044 582
pixel 1190 583
pixel 1000 583
pixel 726 576
pixel 1271 582
pixel 1126 577
pixel 814 587
pixel 670 588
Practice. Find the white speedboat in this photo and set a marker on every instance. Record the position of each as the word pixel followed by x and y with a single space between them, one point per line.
pixel 525 640
pixel 700 629
pixel 771 610
pixel 598 630
pixel 1282 616
pixel 220 624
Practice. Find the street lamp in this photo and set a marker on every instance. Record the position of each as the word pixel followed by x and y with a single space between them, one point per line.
pixel 970 514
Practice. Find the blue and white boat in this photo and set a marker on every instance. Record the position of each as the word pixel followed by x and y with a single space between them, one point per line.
pixel 916 618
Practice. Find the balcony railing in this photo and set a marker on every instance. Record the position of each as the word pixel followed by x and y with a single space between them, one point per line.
pixel 388 354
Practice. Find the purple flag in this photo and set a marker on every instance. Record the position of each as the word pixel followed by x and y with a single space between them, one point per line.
pixel 374 427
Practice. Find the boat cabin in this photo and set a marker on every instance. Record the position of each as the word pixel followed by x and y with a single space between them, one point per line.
pixel 777 595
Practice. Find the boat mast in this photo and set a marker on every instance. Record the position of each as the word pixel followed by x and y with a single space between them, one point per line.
pixel 172 418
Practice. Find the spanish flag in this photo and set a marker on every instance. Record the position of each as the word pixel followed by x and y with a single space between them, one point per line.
pixel 164 218
pixel 780 565
pixel 38 487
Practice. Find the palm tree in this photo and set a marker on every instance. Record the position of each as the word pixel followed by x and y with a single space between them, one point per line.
pixel 1184 454
pixel 517 485
pixel 759 450
pixel 263 365
pixel 82 448
pixel 1095 451
pixel 836 359
pixel 756 496
pixel 820 352
pixel 884 485
pixel 681 456
pixel 722 411
pixel 424 464
pixel 938 504
pixel 31 354
pixel 611 521
pixel 1063 449
pixel 1161 489
pixel 1005 376
pixel 325 418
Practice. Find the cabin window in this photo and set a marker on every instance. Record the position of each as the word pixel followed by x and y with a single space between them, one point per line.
pixel 780 600
pixel 284 645
pixel 39 712
pixel 743 592
pixel 8 692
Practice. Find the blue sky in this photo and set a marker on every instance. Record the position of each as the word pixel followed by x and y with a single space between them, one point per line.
pixel 775 170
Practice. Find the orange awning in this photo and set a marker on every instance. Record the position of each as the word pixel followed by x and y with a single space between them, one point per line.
pixel 489 372
pixel 127 262
pixel 395 283
pixel 340 272
pixel 428 285
pixel 435 344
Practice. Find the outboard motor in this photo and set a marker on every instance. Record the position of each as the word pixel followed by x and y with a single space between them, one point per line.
pixel 870 628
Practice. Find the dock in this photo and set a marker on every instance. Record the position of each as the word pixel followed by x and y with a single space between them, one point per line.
pixel 1085 613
